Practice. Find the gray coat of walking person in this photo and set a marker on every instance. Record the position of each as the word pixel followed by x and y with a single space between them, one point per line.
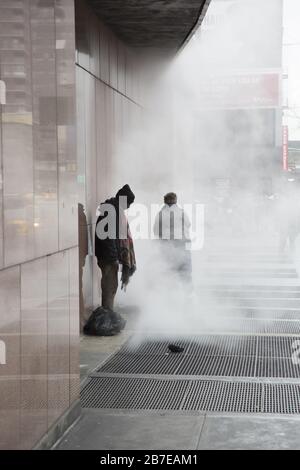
pixel 172 228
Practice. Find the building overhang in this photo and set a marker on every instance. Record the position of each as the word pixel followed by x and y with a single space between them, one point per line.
pixel 161 24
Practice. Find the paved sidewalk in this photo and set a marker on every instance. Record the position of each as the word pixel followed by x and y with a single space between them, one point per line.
pixel 256 285
pixel 107 430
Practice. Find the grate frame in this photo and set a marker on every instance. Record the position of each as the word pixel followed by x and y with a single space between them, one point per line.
pixel 201 395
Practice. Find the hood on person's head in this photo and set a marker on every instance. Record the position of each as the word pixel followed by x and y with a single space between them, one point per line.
pixel 125 196
pixel 170 199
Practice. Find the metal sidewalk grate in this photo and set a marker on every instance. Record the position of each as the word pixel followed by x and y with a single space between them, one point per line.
pixel 133 393
pixel 225 345
pixel 274 304
pixel 142 364
pixel 251 258
pixel 257 313
pixel 275 346
pixel 152 346
pixel 277 367
pixel 282 327
pixel 248 274
pixel 221 366
pixel 234 397
pixel 209 355
pixel 253 294
pixel 281 398
pixel 249 288
pixel 191 395
pixel 257 326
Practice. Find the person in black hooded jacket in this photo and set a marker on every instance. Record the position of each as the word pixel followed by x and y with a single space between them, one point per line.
pixel 114 245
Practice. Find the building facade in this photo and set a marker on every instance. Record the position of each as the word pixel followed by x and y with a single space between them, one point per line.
pixel 241 94
pixel 70 90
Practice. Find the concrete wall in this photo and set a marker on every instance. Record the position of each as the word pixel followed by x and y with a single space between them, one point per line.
pixel 38 219
pixel 109 98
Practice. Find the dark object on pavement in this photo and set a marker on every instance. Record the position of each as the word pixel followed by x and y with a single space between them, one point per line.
pixel 175 349
pixel 104 322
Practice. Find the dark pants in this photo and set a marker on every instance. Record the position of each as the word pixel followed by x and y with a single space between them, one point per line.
pixel 177 259
pixel 109 283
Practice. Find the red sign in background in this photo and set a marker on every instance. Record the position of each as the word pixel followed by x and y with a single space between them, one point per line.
pixel 259 90
pixel 285 148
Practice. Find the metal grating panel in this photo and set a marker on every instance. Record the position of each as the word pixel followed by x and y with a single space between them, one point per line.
pixel 281 398
pixel 265 313
pixel 277 367
pixel 133 393
pixel 242 288
pixel 262 303
pixel 222 366
pixel 193 395
pixel 257 326
pixel 222 345
pixel 254 294
pixel 253 258
pixel 234 397
pixel 152 346
pixel 237 325
pixel 249 269
pixel 209 355
pixel 275 346
pixel 142 364
pixel 250 274
pixel 239 305
pixel 269 303
pixel 282 327
pixel 247 326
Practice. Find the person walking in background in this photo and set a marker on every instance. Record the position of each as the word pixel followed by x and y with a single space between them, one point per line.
pixel 172 228
pixel 114 245
pixel 288 219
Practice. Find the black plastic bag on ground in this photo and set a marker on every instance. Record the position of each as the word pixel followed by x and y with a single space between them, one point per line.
pixel 104 322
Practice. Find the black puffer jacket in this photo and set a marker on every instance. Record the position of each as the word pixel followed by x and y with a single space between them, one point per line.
pixel 107 250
